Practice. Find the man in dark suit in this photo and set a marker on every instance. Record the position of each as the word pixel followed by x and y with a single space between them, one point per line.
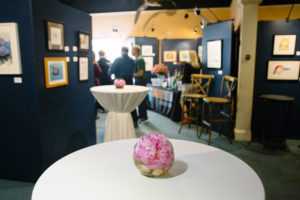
pixel 123 68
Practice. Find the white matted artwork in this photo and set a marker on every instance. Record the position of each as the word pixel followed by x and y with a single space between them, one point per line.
pixel 170 56
pixel 10 58
pixel 55 33
pixel 200 50
pixel 83 68
pixel 214 54
pixel 284 44
pixel 148 63
pixel 283 70
pixel 184 55
pixel 147 50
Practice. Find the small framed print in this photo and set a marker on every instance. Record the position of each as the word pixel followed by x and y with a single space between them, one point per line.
pixel 283 70
pixel 284 44
pixel 184 55
pixel 83 68
pixel 10 58
pixel 84 41
pixel 55 33
pixel 56 72
pixel 170 56
pixel 214 54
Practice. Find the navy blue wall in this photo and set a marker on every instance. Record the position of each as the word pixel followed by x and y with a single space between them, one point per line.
pixel 218 31
pixel 67 113
pixel 266 31
pixel 155 44
pixel 20 149
pixel 178 44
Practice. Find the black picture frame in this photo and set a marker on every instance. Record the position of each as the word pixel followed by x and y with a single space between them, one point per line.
pixel 55 35
pixel 83 41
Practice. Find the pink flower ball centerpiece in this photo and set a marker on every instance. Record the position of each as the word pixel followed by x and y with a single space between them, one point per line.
pixel 119 83
pixel 153 155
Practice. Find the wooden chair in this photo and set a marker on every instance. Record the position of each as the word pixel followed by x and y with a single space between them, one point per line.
pixel 200 89
pixel 228 87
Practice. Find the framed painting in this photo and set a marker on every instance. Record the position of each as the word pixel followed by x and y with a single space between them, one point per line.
pixel 148 63
pixel 214 54
pixel 283 70
pixel 147 50
pixel 10 58
pixel 84 41
pixel 184 56
pixel 200 50
pixel 284 44
pixel 56 71
pixel 55 33
pixel 170 56
pixel 83 68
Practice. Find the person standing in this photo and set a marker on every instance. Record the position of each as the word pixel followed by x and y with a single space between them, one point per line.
pixel 140 79
pixel 122 68
pixel 97 73
pixel 104 64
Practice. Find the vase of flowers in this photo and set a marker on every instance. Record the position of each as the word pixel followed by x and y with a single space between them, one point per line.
pixel 160 69
pixel 153 155
pixel 119 83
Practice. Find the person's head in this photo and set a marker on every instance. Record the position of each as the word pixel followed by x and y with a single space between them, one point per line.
pixel 193 59
pixel 101 53
pixel 136 50
pixel 124 50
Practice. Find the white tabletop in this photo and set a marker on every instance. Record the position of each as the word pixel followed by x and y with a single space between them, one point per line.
pixel 107 172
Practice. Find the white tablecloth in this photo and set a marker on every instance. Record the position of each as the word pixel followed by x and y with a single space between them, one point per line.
pixel 107 172
pixel 119 102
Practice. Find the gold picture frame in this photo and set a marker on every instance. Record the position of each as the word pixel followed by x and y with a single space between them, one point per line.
pixel 184 55
pixel 170 56
pixel 56 71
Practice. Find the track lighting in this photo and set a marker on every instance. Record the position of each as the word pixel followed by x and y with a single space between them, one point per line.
pixel 197 11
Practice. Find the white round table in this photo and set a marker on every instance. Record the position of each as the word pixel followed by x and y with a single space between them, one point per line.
pixel 119 102
pixel 107 172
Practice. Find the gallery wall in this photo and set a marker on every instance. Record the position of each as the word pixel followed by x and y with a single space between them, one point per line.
pixel 218 31
pixel 20 148
pixel 67 113
pixel 177 45
pixel 265 35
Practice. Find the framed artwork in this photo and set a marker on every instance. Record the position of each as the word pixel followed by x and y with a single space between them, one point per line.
pixel 284 44
pixel 10 57
pixel 55 33
pixel 83 68
pixel 283 70
pixel 170 56
pixel 56 71
pixel 184 55
pixel 148 63
pixel 214 54
pixel 84 41
pixel 147 50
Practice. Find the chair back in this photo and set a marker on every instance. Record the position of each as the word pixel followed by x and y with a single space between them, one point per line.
pixel 201 83
pixel 229 84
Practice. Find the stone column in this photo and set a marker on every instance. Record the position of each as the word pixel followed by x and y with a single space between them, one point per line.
pixel 248 36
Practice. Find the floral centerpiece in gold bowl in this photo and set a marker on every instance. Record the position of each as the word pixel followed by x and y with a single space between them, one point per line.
pixel 153 155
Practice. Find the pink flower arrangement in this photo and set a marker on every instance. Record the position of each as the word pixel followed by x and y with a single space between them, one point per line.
pixel 120 83
pixel 160 69
pixel 154 153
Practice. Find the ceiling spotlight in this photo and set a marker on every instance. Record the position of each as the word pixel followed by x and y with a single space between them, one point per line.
pixel 152 29
pixel 186 16
pixel 197 11
pixel 195 30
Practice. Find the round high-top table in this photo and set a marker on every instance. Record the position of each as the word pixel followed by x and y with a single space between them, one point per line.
pixel 107 172
pixel 119 102
pixel 267 139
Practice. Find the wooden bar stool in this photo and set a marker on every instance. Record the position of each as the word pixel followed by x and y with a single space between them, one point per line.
pixel 228 87
pixel 200 89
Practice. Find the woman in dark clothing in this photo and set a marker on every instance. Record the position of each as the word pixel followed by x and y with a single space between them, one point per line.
pixel 193 66
pixel 97 72
pixel 104 64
